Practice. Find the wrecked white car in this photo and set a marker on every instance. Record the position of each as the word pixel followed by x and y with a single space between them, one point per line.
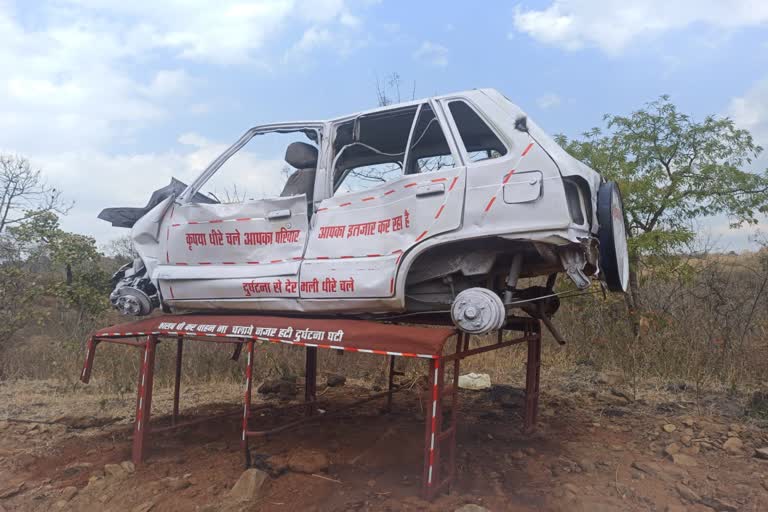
pixel 433 206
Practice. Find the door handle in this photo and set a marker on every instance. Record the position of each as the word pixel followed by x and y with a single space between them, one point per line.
pixel 430 189
pixel 278 214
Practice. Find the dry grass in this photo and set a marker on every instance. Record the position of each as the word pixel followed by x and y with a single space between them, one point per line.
pixel 705 325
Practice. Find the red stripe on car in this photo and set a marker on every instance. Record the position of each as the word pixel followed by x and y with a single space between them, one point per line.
pixel 527 149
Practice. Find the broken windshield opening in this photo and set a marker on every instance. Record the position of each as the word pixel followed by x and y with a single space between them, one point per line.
pixel 271 164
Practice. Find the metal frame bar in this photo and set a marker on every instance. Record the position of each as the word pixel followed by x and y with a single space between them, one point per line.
pixel 436 440
pixel 177 379
pixel 144 399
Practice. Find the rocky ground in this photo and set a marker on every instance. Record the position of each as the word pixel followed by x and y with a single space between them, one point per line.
pixel 595 450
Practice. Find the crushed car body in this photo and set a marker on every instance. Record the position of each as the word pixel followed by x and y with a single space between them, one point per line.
pixel 433 206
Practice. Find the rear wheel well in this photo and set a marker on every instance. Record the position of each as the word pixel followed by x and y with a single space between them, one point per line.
pixel 438 274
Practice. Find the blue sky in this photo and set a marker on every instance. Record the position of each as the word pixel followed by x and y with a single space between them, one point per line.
pixel 110 98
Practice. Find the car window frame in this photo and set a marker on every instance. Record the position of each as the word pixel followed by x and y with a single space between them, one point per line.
pixel 442 121
pixel 462 147
pixel 218 162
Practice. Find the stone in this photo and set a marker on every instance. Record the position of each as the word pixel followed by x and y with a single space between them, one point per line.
pixel 128 466
pixel 620 394
pixel 686 440
pixel 665 472
pixel 690 450
pixel 687 493
pixel 570 488
pixel 308 461
pixel 94 483
pixel 758 404
pixel 669 428
pixel 733 446
pixel 269 386
pixel 11 491
pixel 115 471
pixel 688 422
pixel 475 381
pixel 276 465
pixel 681 459
pixel 333 380
pixel 176 484
pixel 249 486
pixel 471 507
pixel 610 379
pixel 68 493
pixel 144 507
pixel 610 398
pixel 287 389
pixel 761 453
pixel 587 466
pixel 76 467
pixel 672 449
pixel 718 504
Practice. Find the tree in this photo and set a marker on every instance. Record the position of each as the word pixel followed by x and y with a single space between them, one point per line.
pixel 121 249
pixel 86 284
pixel 673 170
pixel 24 193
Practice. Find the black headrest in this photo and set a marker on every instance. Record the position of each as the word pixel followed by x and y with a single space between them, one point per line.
pixel 301 155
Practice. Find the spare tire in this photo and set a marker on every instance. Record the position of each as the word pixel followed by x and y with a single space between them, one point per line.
pixel 612 234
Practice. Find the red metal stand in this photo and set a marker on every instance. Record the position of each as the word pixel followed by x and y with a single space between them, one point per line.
pixel 144 399
pixel 310 380
pixel 177 379
pixel 247 404
pixel 436 440
pixel 438 472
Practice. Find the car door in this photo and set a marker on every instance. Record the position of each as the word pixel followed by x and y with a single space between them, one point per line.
pixel 239 249
pixel 227 251
pixel 358 238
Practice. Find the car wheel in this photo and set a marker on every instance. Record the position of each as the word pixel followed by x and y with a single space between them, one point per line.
pixel 614 257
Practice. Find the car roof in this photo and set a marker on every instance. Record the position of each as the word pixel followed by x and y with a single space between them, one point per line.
pixel 405 104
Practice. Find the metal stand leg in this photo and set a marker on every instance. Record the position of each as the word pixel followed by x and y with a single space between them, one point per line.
pixel 532 378
pixel 177 381
pixel 247 404
pixel 310 380
pixel 434 415
pixel 454 411
pixel 90 352
pixel 236 352
pixel 144 400
pixel 391 384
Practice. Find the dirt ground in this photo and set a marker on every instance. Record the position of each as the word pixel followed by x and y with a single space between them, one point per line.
pixel 594 450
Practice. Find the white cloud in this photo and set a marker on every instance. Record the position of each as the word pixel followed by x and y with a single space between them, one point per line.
pixel 432 53
pixel 82 77
pixel 750 111
pixel 612 26
pixel 548 101
pixel 98 180
pixel 167 82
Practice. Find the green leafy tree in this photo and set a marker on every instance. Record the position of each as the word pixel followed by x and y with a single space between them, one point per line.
pixel 85 283
pixel 673 170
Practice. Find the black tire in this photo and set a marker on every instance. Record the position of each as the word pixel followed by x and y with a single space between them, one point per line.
pixel 614 258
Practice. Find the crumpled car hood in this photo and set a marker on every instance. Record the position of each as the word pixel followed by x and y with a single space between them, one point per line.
pixel 126 217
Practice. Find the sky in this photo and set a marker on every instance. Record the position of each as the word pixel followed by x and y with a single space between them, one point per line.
pixel 110 98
